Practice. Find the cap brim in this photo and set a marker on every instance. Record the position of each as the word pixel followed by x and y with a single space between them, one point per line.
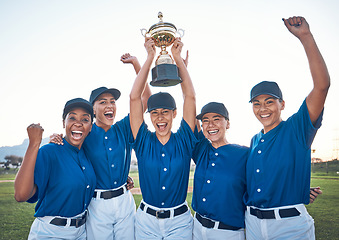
pixel 149 110
pixel 200 116
pixel 115 92
pixel 273 95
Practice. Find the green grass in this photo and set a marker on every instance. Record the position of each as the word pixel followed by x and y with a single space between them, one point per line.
pixel 324 210
pixel 16 218
pixel 7 174
pixel 326 169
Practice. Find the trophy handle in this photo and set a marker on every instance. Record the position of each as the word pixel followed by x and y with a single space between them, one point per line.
pixel 181 32
pixel 144 32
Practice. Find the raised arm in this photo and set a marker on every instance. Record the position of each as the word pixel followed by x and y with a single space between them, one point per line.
pixel 136 105
pixel 186 85
pixel 315 101
pixel 128 58
pixel 24 181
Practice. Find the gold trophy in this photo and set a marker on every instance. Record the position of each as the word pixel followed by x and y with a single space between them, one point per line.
pixel 165 72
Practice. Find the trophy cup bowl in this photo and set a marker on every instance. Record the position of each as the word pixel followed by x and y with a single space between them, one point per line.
pixel 165 72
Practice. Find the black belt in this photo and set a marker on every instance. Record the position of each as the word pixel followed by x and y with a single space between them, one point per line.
pixel 77 222
pixel 210 223
pixel 110 194
pixel 269 214
pixel 161 214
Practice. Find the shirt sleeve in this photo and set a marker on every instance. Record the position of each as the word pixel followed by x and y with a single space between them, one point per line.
pixel 141 141
pixel 125 126
pixel 188 138
pixel 41 173
pixel 200 147
pixel 304 128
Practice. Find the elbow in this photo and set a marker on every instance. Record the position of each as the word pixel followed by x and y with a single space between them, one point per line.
pixel 134 97
pixel 324 85
pixel 328 83
pixel 21 194
pixel 190 98
pixel 19 197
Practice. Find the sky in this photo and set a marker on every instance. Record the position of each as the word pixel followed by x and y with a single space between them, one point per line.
pixel 53 51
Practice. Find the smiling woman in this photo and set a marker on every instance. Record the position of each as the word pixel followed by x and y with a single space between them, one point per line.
pixel 77 121
pixel 279 163
pixel 59 178
pixel 163 156
pixel 103 100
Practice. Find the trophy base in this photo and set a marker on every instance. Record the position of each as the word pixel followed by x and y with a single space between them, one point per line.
pixel 165 75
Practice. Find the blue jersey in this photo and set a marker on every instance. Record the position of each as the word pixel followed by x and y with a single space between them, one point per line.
pixel 164 169
pixel 219 182
pixel 279 166
pixel 110 153
pixel 65 181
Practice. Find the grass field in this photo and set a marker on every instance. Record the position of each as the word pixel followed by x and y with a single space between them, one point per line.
pixel 16 218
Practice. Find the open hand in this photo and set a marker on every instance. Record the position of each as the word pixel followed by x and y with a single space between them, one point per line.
pixel 127 58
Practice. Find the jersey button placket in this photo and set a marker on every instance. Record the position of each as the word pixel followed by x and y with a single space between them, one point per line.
pixel 111 164
pixel 210 171
pixel 164 174
pixel 257 169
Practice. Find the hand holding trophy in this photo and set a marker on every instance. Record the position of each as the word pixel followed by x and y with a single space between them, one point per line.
pixel 165 72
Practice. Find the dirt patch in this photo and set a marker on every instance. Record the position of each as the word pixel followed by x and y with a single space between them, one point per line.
pixel 6 181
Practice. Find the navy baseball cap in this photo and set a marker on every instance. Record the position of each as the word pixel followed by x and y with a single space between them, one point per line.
pixel 161 100
pixel 266 87
pixel 77 103
pixel 97 92
pixel 214 107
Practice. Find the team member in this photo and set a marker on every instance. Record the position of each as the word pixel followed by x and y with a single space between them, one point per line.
pixel 163 156
pixel 278 167
pixel 219 178
pixel 59 177
pixel 112 210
